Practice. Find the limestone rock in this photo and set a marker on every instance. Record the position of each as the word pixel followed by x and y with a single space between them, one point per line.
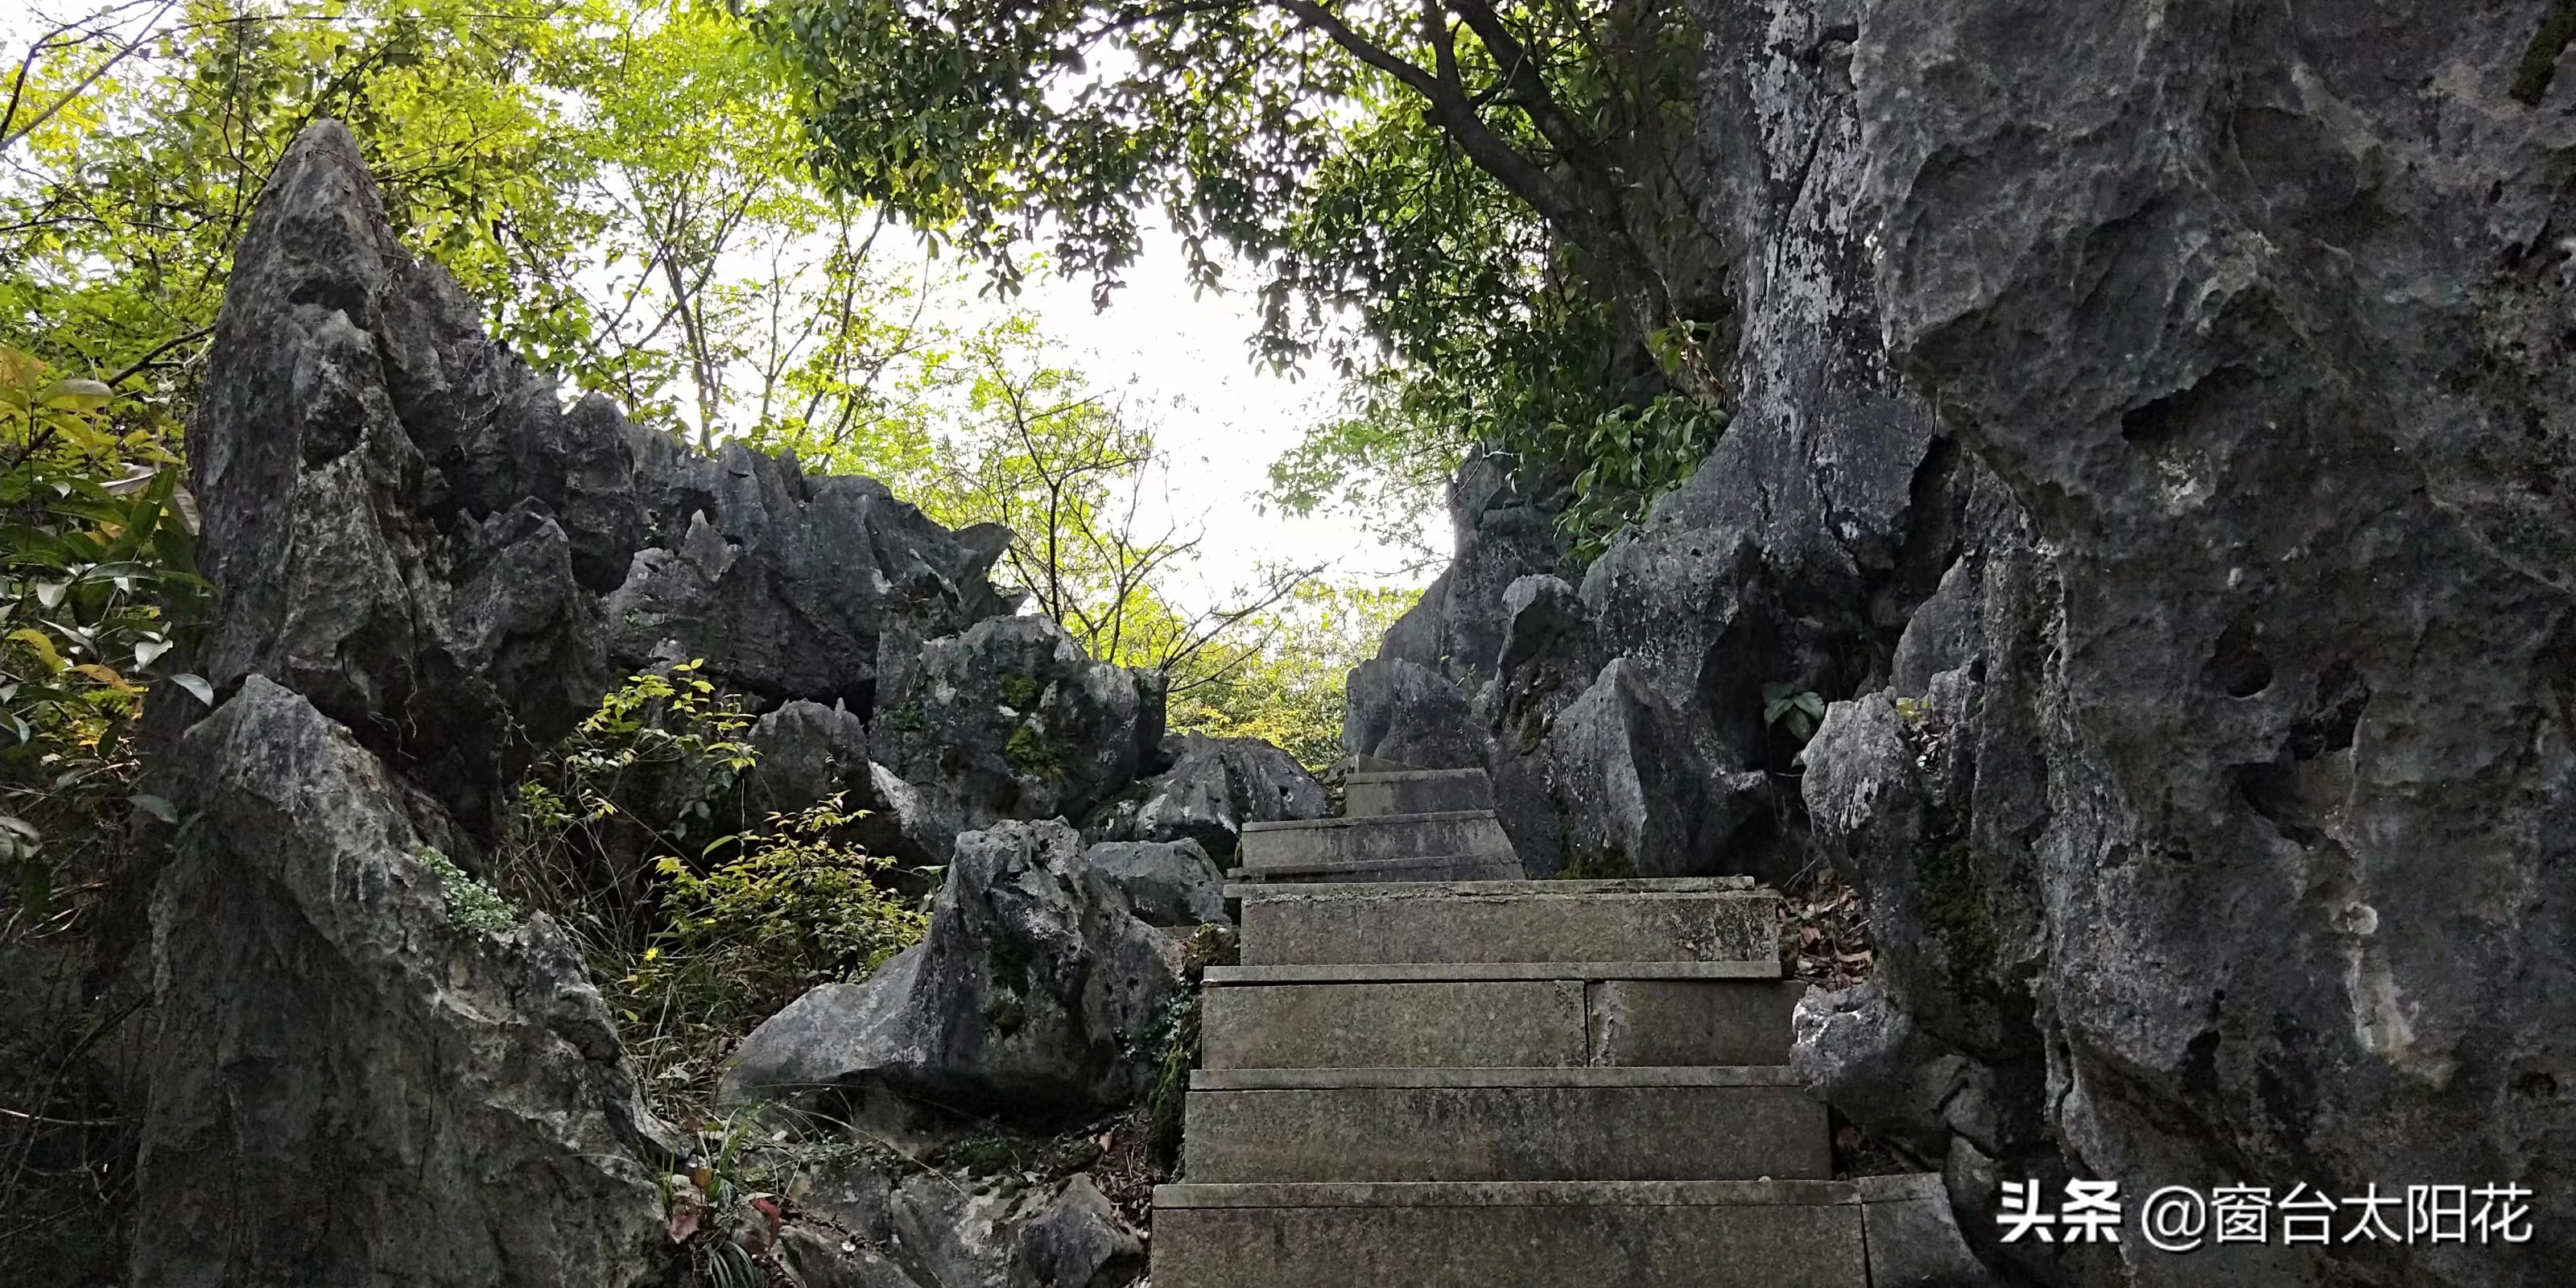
pixel 331 1042
pixel 1029 994
pixel 1168 883
pixel 399 517
pixel 786 582
pixel 1010 719
pixel 1407 712
pixel 1635 796
pixel 1213 788
pixel 2287 408
pixel 1078 1242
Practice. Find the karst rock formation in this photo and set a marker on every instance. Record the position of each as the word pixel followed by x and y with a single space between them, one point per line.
pixel 2152 435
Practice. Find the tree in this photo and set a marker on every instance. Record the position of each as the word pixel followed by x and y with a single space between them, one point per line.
pixel 1013 436
pixel 1288 689
pixel 1497 193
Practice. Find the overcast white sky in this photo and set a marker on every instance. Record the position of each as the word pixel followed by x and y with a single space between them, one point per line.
pixel 1182 365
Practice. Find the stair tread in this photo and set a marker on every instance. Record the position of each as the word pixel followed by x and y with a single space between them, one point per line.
pixel 1465 972
pixel 1367 820
pixel 1589 1076
pixel 1363 1194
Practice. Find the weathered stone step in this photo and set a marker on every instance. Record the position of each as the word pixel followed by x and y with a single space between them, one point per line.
pixel 1433 867
pixel 1266 846
pixel 1416 791
pixel 1702 919
pixel 1530 1234
pixel 1517 1015
pixel 1658 1124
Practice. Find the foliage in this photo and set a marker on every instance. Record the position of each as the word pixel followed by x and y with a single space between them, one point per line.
pixel 1635 454
pixel 658 766
pixel 631 833
pixel 1022 439
pixel 795 909
pixel 471 905
pixel 1499 196
pixel 1289 690
pixel 97 592
pixel 1172 1043
pixel 618 181
pixel 1792 710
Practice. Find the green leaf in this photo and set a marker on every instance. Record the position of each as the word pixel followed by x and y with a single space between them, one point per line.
pixel 196 686
pixel 156 807
pixel 42 646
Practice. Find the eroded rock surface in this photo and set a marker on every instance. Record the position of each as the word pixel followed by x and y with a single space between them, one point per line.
pixel 2199 735
pixel 1033 994
pixel 331 1042
pixel 1213 787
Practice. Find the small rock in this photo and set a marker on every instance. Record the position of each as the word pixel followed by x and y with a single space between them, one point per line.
pixel 1078 1242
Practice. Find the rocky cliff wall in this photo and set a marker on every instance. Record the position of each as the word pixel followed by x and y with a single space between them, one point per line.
pixel 2201 734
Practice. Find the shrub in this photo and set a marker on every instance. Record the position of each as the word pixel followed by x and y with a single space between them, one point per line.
pixel 796 909
pixel 791 909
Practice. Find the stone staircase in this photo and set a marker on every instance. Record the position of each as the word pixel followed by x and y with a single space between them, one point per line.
pixel 1428 1073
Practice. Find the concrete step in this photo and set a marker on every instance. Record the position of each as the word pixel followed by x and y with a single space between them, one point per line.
pixel 1704 919
pixel 1416 791
pixel 1657 1124
pixel 1266 846
pixel 1550 1015
pixel 1531 1234
pixel 1433 867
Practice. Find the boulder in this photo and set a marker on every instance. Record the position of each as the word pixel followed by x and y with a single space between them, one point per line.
pixel 1168 883
pixel 1410 713
pixel 1010 719
pixel 1213 788
pixel 1634 795
pixel 1078 1242
pixel 409 528
pixel 336 1036
pixel 786 582
pixel 1033 994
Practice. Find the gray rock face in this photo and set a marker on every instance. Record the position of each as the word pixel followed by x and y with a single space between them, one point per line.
pixel 1825 513
pixel 1635 795
pixel 331 1043
pixel 786 583
pixel 2262 321
pixel 2202 758
pixel 1213 788
pixel 429 570
pixel 426 612
pixel 1010 719
pixel 454 567
pixel 1030 994
pixel 1168 883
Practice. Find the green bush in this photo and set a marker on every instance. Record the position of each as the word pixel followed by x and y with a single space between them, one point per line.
pixel 795 909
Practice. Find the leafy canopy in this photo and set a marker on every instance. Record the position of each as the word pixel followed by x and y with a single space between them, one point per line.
pixel 1494 195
